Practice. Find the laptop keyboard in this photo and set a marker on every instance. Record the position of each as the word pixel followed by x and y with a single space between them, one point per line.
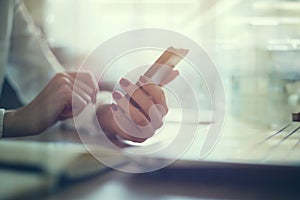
pixel 285 144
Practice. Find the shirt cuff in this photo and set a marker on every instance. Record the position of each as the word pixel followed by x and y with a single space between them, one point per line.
pixel 2 112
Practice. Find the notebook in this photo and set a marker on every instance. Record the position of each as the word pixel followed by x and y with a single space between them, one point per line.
pixel 30 168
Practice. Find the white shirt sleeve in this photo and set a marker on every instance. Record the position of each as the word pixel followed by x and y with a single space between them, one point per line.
pixel 2 112
pixel 31 63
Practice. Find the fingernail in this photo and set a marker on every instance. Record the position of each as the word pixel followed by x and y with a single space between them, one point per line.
pixel 117 95
pixel 143 79
pixel 114 107
pixel 124 82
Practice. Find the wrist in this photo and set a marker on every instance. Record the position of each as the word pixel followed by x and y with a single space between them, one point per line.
pixel 9 123
pixel 14 125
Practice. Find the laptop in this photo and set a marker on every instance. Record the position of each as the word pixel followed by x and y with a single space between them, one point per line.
pixel 242 149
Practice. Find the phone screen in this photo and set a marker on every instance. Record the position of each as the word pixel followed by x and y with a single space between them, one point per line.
pixel 165 64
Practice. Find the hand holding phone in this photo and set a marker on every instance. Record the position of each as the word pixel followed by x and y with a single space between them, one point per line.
pixel 138 113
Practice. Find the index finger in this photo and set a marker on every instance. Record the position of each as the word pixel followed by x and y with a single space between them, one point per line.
pixel 88 78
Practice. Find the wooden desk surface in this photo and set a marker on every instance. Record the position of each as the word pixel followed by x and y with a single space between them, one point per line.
pixel 119 185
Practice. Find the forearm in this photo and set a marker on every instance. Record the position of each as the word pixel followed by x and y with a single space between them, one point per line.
pixel 9 124
pixel 16 126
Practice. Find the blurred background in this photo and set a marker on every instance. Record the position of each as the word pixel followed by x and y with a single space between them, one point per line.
pixel 254 44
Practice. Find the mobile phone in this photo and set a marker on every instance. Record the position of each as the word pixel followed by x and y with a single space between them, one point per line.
pixel 163 66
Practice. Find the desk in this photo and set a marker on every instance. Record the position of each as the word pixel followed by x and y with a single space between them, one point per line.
pixel 158 185
pixel 118 185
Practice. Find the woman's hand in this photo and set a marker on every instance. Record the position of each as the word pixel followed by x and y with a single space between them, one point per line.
pixel 54 103
pixel 137 114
